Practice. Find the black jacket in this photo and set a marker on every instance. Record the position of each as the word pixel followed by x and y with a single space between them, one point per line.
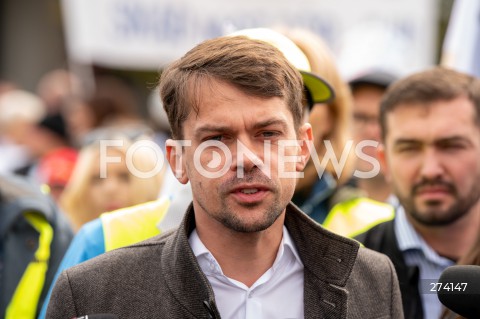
pixel 19 240
pixel 382 238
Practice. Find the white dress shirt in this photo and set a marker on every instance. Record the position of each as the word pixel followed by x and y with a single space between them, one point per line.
pixel 278 293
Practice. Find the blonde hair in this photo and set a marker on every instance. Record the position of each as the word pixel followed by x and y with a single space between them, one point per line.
pixel 74 201
pixel 322 63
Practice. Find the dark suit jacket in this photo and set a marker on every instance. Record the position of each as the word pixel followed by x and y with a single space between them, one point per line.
pixel 160 278
pixel 382 238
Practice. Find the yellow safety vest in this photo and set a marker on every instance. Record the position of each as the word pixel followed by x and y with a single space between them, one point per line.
pixel 353 217
pixel 131 225
pixel 27 294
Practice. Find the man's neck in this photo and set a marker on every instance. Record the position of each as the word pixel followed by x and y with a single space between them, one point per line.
pixel 454 240
pixel 243 256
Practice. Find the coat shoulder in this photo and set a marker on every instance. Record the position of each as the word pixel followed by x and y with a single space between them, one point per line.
pixel 373 270
pixel 373 259
pixel 143 255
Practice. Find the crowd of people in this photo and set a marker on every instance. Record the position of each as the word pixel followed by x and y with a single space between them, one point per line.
pixel 281 189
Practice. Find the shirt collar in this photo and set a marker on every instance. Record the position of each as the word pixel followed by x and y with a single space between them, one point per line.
pixel 407 237
pixel 209 264
pixel 409 240
pixel 287 242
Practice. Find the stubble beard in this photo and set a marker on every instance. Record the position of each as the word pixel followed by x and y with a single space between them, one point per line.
pixel 231 219
pixel 234 222
pixel 433 215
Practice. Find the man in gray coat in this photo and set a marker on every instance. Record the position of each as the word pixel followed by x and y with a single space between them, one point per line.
pixel 243 249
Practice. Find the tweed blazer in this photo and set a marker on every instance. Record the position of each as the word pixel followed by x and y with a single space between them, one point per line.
pixel 160 278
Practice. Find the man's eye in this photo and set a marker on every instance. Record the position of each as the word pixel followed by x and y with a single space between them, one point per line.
pixel 407 149
pixel 214 138
pixel 269 134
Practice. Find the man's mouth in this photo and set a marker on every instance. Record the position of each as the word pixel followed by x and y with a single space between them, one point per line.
pixel 249 190
pixel 434 187
pixel 249 194
pixel 433 193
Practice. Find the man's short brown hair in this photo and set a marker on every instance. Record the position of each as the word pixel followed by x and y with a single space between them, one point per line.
pixel 432 85
pixel 255 67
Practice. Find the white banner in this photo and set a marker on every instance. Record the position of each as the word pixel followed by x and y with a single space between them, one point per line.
pixel 146 34
pixel 461 48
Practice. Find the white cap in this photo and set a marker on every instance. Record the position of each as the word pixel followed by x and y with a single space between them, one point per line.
pixel 320 91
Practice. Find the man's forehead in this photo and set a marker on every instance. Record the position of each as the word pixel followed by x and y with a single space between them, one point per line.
pixel 452 112
pixel 445 107
pixel 431 123
pixel 430 134
pixel 228 99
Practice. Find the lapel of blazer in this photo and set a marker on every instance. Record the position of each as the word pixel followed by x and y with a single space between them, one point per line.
pixel 328 261
pixel 183 275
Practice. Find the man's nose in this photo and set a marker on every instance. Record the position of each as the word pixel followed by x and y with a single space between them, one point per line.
pixel 432 166
pixel 248 155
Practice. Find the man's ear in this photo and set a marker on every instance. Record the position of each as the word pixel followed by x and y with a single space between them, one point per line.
pixel 176 159
pixel 305 136
pixel 382 159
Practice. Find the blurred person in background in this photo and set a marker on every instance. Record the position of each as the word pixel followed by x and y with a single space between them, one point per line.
pixel 34 236
pixel 53 158
pixel 367 89
pixel 113 103
pixel 101 180
pixel 330 122
pixel 328 198
pixel 431 146
pixel 54 86
pixel 19 112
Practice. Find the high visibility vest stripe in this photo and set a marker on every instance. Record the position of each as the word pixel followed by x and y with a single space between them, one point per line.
pixel 353 217
pixel 27 294
pixel 131 225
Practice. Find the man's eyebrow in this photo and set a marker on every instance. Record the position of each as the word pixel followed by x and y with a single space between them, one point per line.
pixel 449 139
pixel 406 141
pixel 453 139
pixel 210 128
pixel 272 121
pixel 214 128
